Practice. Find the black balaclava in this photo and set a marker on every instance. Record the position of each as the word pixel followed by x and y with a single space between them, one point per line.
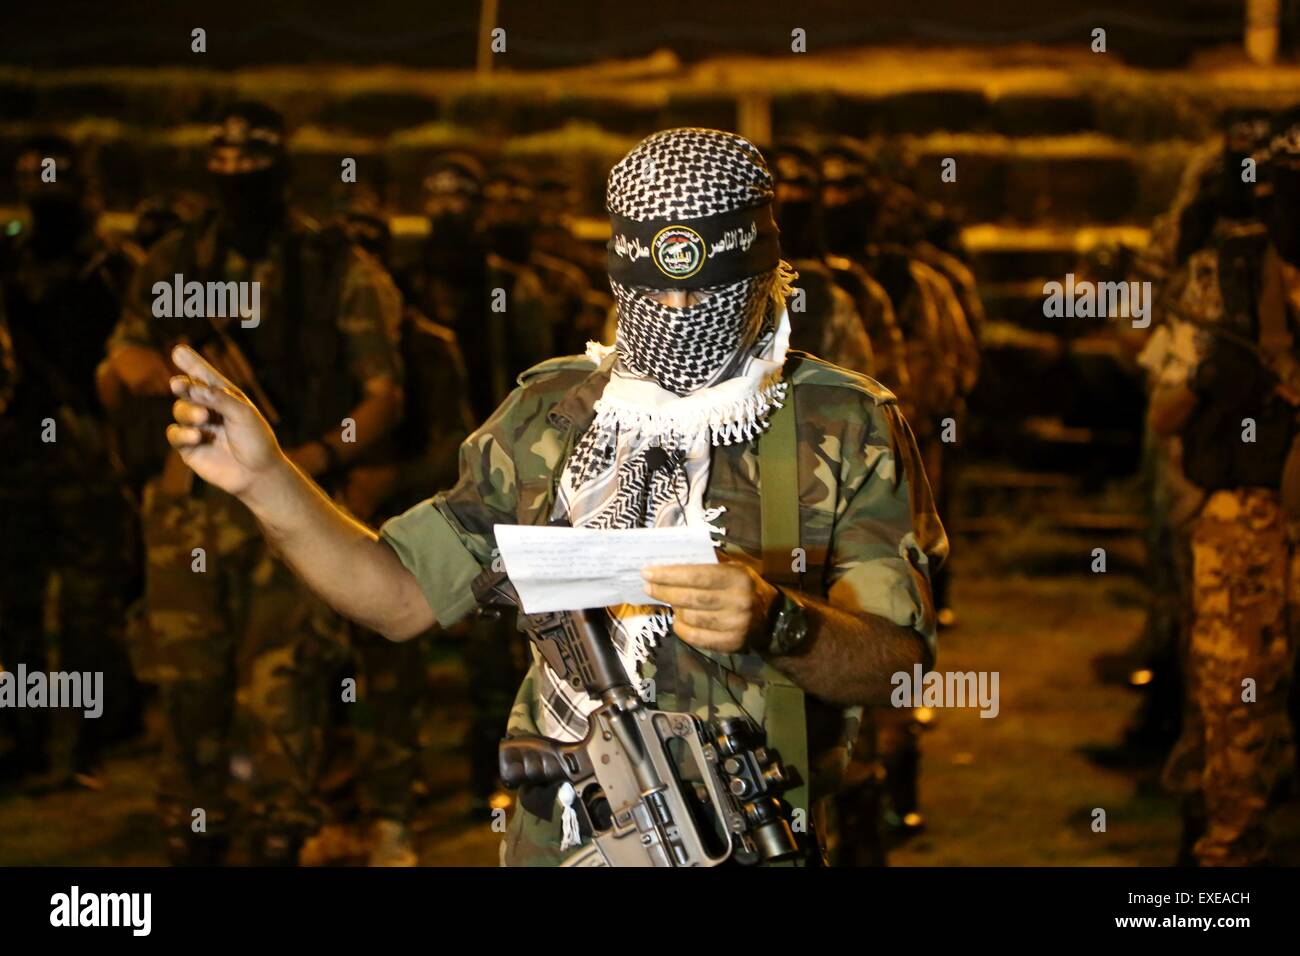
pixel 58 209
pixel 1245 131
pixel 1221 193
pixel 509 216
pixel 453 203
pixel 850 206
pixel 690 209
pixel 359 213
pixel 251 197
pixel 1283 211
pixel 798 206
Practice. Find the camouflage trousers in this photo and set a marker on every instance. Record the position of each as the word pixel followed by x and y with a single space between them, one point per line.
pixel 243 653
pixel 1236 745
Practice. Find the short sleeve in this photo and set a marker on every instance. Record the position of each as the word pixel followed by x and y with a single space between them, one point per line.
pixel 447 540
pixel 438 556
pixel 888 540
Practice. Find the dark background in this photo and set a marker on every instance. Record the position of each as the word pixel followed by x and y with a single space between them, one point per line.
pixel 559 32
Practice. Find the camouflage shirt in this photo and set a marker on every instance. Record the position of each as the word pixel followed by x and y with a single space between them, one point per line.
pixel 828 323
pixel 868 525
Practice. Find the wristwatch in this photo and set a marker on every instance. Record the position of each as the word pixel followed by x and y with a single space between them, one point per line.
pixel 787 625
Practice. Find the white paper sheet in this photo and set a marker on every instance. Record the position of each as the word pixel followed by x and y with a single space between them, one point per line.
pixel 567 569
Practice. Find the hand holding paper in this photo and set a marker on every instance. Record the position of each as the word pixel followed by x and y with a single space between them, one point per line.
pixel 568 569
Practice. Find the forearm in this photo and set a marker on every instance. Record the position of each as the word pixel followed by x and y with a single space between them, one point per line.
pixel 850 657
pixel 339 558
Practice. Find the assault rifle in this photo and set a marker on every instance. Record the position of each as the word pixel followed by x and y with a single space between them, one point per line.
pixel 632 774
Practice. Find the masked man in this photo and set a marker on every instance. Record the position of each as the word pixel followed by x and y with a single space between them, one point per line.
pixel 662 429
pixel 826 322
pixel 1232 398
pixel 233 639
pixel 61 512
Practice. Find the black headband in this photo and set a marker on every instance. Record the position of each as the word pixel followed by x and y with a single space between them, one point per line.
pixel 693 253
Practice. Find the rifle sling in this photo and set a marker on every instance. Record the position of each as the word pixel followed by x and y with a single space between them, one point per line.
pixel 778 472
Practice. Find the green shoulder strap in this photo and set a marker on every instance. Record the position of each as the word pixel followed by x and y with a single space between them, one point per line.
pixel 778 470
pixel 778 473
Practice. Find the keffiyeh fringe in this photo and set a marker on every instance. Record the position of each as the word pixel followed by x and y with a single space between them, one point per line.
pixel 740 420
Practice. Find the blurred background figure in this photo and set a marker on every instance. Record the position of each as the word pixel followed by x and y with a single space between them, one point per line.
pixel 245 658
pixel 1237 306
pixel 64 522
pixel 393 681
pixel 825 321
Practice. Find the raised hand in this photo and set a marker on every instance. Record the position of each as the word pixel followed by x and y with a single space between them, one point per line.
pixel 218 431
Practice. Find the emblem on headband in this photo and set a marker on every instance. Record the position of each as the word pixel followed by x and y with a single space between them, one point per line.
pixel 677 251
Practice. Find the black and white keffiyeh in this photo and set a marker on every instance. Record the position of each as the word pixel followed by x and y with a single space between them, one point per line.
pixel 686 349
pixel 686 174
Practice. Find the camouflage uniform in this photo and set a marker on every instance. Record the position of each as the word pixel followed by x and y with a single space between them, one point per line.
pixel 395 692
pixel 964 286
pixel 244 642
pixel 505 320
pixel 888 350
pixel 497 343
pixel 577 315
pixel 1233 754
pixel 436 418
pixel 1172 504
pixel 1245 579
pixel 868 525
pixel 960 360
pixel 940 357
pixel 828 325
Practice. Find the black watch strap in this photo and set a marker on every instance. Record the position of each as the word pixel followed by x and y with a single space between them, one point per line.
pixel 787 625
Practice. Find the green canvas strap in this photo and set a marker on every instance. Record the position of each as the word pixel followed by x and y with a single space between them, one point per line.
pixel 778 473
pixel 778 470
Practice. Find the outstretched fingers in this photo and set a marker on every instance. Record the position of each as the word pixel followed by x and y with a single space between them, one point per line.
pixel 198 368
